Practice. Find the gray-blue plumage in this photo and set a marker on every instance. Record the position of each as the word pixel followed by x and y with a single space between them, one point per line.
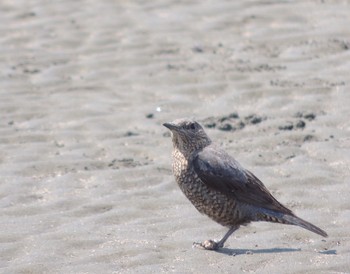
pixel 223 173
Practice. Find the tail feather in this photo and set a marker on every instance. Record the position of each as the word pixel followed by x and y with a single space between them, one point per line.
pixel 277 217
pixel 294 220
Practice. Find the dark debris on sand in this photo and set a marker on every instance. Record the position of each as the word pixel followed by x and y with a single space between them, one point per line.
pixel 232 122
pixel 300 122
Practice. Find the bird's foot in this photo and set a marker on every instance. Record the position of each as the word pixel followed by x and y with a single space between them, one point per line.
pixel 207 245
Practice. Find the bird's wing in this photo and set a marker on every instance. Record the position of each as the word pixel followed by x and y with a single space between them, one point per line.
pixel 221 172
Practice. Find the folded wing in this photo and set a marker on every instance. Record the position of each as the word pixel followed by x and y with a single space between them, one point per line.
pixel 222 173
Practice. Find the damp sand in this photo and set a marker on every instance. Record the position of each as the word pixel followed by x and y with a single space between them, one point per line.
pixel 85 164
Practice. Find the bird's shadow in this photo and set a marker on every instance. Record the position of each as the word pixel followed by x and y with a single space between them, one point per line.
pixel 235 252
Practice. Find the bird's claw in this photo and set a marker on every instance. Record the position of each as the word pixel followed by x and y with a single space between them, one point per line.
pixel 207 245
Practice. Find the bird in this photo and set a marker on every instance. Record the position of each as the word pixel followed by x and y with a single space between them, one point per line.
pixel 219 187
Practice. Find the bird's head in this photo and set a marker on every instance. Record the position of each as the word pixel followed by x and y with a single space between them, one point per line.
pixel 187 135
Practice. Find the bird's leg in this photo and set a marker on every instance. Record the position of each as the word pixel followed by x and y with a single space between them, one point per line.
pixel 212 245
pixel 228 234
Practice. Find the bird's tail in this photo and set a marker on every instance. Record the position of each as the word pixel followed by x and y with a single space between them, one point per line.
pixel 292 220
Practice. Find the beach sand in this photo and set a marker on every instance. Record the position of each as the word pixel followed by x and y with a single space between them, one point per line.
pixel 85 163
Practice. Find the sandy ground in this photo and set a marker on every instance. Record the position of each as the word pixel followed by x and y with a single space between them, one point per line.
pixel 86 184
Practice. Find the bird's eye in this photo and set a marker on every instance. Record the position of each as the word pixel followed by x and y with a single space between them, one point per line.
pixel 192 126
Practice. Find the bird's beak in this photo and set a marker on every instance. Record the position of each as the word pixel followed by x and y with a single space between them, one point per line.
pixel 171 126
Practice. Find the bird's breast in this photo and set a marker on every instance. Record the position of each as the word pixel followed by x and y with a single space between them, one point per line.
pixel 206 200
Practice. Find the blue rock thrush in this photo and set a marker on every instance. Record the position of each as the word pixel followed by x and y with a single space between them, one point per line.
pixel 218 186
